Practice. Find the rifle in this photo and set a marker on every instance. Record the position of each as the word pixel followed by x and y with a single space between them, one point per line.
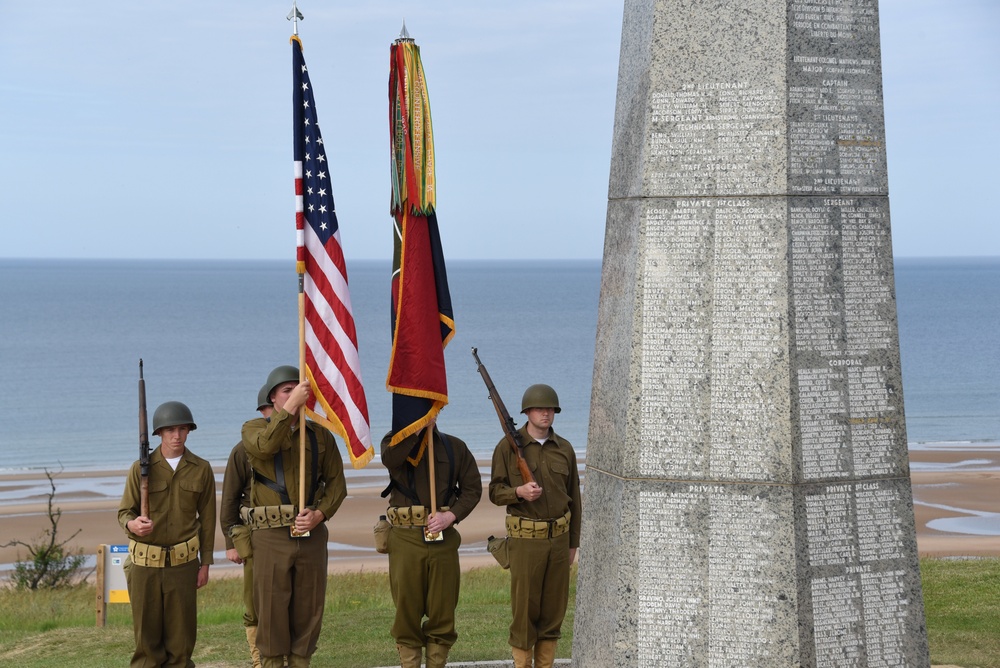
pixel 506 421
pixel 143 448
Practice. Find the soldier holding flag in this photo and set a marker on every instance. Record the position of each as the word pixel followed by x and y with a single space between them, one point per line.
pixel 424 571
pixel 434 479
pixel 297 468
pixel 289 542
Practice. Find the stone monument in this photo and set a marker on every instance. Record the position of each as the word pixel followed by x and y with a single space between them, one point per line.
pixel 747 497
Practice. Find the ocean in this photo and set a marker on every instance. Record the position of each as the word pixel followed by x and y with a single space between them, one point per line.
pixel 73 331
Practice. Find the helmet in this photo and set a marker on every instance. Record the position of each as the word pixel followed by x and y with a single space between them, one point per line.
pixel 262 394
pixel 281 374
pixel 171 414
pixel 540 396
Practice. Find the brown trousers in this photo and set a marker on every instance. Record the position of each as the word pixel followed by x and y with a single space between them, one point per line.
pixel 539 588
pixel 424 579
pixel 289 586
pixel 249 611
pixel 164 614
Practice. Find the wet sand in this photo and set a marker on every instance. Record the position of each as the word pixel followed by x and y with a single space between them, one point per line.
pixel 956 502
pixel 956 494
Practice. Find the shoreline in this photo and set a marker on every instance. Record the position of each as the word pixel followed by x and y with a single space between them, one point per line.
pixel 956 509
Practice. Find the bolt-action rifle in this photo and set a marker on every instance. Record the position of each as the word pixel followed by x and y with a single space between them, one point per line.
pixel 143 448
pixel 506 421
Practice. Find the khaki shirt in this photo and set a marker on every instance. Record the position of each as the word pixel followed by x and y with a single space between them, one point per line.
pixel 235 491
pixel 264 439
pixel 181 502
pixel 553 464
pixel 466 476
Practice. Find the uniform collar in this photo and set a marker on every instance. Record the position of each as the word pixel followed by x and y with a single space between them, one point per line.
pixel 529 439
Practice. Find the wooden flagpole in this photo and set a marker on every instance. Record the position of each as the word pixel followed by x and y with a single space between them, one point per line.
pixel 294 17
pixel 429 453
pixel 302 409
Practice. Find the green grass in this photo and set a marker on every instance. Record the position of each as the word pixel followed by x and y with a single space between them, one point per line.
pixel 55 628
pixel 962 604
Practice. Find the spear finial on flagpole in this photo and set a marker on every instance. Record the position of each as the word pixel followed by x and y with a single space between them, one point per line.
pixel 294 17
pixel 404 35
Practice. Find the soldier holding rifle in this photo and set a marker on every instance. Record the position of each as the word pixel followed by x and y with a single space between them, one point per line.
pixel 424 572
pixel 163 569
pixel 289 538
pixel 543 522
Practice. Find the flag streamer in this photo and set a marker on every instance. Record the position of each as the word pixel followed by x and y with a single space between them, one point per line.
pixel 412 136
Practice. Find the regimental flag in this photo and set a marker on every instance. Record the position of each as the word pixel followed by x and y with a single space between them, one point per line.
pixel 331 342
pixel 422 318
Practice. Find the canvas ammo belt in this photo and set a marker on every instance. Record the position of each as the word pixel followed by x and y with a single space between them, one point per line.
pixel 158 556
pixel 522 527
pixel 269 517
pixel 409 516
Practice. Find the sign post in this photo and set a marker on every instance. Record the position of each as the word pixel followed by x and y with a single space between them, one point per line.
pixel 111 584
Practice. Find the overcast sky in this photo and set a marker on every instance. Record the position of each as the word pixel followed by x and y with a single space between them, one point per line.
pixel 163 129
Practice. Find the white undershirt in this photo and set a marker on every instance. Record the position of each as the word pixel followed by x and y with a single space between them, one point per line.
pixel 173 461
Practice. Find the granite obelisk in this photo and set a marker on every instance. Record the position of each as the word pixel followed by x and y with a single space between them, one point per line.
pixel 747 498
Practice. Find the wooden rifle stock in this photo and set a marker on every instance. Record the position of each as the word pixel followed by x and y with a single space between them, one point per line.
pixel 506 421
pixel 143 448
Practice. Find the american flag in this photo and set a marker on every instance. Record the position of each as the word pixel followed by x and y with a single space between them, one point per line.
pixel 331 342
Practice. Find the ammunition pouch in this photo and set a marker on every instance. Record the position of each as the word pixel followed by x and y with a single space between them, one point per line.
pixel 269 517
pixel 522 527
pixel 498 548
pixel 240 533
pixel 409 516
pixel 157 556
pixel 381 531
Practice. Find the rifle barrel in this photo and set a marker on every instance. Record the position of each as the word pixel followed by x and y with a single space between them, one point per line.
pixel 143 448
pixel 506 421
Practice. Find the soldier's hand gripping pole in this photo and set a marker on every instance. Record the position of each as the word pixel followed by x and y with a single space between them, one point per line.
pixel 143 448
pixel 431 536
pixel 506 421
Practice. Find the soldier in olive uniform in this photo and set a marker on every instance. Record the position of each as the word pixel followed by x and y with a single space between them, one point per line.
pixel 424 575
pixel 236 496
pixel 543 528
pixel 290 571
pixel 163 570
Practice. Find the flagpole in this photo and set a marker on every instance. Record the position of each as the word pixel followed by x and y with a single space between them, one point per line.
pixel 302 409
pixel 429 440
pixel 294 17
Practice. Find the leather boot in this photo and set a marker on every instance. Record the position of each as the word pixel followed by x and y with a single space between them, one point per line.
pixel 545 653
pixel 272 661
pixel 409 657
pixel 297 661
pixel 252 641
pixel 437 655
pixel 522 657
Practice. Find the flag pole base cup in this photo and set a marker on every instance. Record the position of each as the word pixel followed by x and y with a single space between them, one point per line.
pixel 433 536
pixel 292 532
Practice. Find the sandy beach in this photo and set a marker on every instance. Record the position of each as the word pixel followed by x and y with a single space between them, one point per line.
pixel 955 488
